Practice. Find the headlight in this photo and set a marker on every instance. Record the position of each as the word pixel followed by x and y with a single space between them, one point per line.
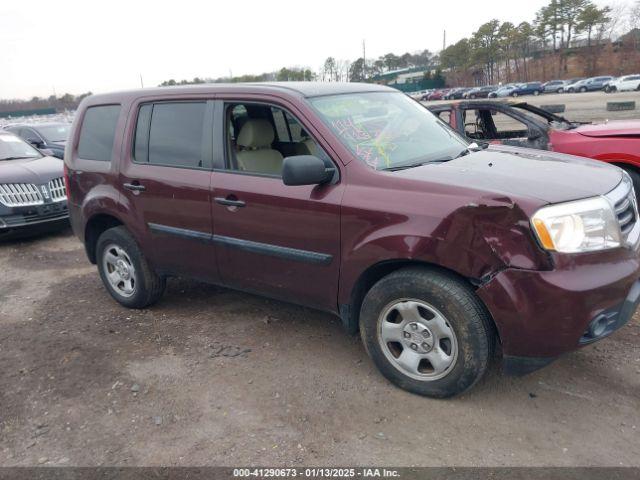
pixel 581 226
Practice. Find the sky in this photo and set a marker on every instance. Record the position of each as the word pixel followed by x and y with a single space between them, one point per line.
pixel 78 46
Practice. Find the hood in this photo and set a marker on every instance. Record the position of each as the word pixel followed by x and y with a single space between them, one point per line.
pixel 620 128
pixel 520 172
pixel 36 171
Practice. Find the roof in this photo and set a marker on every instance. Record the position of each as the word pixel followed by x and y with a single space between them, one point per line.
pixel 302 89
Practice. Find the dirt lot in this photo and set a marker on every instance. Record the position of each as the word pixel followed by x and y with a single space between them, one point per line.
pixel 584 107
pixel 214 377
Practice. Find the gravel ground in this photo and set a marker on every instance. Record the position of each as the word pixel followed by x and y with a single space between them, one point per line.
pixel 210 376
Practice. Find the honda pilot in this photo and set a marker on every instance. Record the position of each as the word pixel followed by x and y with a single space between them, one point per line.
pixel 356 200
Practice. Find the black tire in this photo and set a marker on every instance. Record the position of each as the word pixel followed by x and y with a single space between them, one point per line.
pixel 149 286
pixel 463 311
pixel 560 90
pixel 583 89
pixel 536 92
pixel 514 94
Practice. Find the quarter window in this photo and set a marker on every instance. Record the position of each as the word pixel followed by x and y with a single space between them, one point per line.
pixel 98 132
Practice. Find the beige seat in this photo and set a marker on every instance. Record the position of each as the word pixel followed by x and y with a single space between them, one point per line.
pixel 256 154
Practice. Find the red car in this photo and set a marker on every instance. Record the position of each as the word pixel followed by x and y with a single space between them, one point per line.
pixel 438 94
pixel 524 125
pixel 353 199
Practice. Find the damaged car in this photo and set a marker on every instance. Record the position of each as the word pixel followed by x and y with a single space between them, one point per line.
pixel 356 200
pixel 521 124
pixel 33 196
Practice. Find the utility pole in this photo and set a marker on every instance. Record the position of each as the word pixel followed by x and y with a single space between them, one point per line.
pixel 141 82
pixel 444 39
pixel 364 61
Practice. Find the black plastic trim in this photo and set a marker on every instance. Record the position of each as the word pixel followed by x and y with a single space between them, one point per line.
pixel 288 253
pixel 180 232
pixel 518 366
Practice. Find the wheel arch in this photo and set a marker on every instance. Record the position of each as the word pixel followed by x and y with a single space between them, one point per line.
pixel 96 226
pixel 350 313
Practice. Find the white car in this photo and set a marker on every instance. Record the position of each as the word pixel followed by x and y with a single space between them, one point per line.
pixel 624 84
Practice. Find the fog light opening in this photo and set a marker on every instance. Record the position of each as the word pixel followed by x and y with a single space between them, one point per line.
pixel 598 326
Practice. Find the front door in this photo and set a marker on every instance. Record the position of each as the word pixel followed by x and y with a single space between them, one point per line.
pixel 166 178
pixel 273 239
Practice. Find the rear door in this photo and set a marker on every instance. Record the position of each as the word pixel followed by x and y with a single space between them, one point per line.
pixel 165 177
pixel 277 240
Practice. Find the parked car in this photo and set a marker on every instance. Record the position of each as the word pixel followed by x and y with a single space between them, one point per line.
pixel 529 88
pixel 426 94
pixel 456 93
pixel 503 91
pixel 480 92
pixel 32 190
pixel 351 199
pixel 554 86
pixel 524 125
pixel 624 84
pixel 589 84
pixel 570 84
pixel 438 94
pixel 44 136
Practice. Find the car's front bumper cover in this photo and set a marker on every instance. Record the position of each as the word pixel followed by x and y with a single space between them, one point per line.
pixel 542 314
pixel 21 218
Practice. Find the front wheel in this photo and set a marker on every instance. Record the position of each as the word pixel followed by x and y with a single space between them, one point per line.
pixel 583 89
pixel 125 272
pixel 514 94
pixel 536 93
pixel 427 332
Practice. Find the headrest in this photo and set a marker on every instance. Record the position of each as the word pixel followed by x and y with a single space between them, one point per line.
pixel 256 133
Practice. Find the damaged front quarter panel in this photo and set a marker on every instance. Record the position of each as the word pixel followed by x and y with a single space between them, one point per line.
pixel 499 225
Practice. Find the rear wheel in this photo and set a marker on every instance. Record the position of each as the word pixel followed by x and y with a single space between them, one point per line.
pixel 427 332
pixel 583 89
pixel 124 270
pixel 560 90
pixel 536 92
pixel 514 94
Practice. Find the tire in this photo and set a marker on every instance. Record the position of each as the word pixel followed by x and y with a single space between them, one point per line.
pixel 467 332
pixel 582 89
pixel 536 93
pixel 472 97
pixel 120 261
pixel 514 94
pixel 560 90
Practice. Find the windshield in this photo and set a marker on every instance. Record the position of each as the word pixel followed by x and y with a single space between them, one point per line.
pixel 12 147
pixel 387 130
pixel 55 133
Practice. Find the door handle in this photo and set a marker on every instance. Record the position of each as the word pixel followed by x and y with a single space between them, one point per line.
pixel 134 187
pixel 230 201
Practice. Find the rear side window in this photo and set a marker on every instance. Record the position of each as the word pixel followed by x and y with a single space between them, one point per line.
pixel 98 132
pixel 171 134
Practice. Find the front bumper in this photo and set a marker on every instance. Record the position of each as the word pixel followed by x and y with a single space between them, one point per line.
pixel 543 314
pixel 36 217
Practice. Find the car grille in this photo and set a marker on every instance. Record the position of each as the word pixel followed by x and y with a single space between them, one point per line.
pixel 57 189
pixel 19 194
pixel 624 203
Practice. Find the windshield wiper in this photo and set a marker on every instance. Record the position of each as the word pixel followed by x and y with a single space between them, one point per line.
pixel 15 158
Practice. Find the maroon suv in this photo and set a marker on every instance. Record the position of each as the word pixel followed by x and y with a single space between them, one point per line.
pixel 354 199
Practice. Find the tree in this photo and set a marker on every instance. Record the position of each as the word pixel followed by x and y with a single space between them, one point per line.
pixel 329 69
pixel 357 71
pixel 485 43
pixel 592 18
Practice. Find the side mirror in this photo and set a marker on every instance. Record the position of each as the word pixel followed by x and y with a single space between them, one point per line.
pixel 47 152
pixel 36 142
pixel 305 170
